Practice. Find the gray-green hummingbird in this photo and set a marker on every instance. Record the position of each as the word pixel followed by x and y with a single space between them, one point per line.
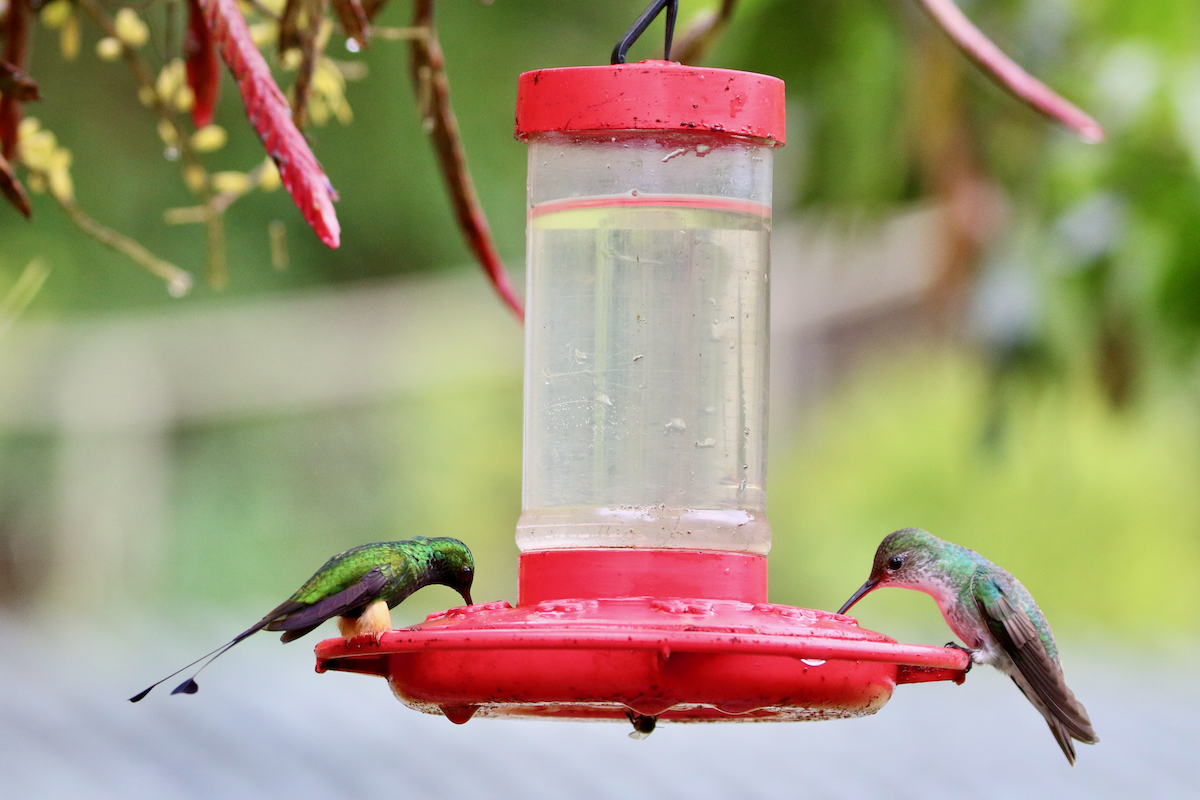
pixel 359 587
pixel 993 614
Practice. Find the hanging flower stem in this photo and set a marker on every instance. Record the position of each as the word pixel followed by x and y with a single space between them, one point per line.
pixel 432 87
pixel 203 69
pixel 12 189
pixel 270 115
pixel 704 32
pixel 308 60
pixel 16 35
pixel 1005 72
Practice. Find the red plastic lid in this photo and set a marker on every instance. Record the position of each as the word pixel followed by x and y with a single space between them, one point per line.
pixel 651 95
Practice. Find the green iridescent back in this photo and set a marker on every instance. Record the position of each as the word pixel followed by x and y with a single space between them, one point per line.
pixel 407 566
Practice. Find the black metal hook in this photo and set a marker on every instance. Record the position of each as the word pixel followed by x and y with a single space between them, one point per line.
pixel 643 22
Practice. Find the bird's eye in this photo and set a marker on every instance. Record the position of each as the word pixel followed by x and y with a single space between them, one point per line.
pixel 895 562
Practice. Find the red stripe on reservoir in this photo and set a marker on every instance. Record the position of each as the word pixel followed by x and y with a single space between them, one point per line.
pixel 706 202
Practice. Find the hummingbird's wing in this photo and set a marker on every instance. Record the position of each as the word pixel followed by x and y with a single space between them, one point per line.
pixel 1013 627
pixel 298 619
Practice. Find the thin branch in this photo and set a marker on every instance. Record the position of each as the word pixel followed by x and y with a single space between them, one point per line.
pixel 218 265
pixel 428 72
pixel 705 30
pixel 354 20
pixel 15 82
pixel 18 298
pixel 289 27
pixel 220 203
pixel 399 34
pixel 308 61
pixel 277 234
pixel 1004 71
pixel 12 189
pixel 178 281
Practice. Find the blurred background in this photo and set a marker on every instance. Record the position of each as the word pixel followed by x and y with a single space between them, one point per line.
pixel 980 326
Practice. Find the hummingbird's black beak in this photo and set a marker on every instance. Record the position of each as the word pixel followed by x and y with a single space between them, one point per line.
pixel 466 595
pixel 862 591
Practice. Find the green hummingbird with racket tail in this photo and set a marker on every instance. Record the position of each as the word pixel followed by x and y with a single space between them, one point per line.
pixel 994 615
pixel 359 587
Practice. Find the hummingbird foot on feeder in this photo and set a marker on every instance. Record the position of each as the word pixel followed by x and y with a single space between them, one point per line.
pixel 970 654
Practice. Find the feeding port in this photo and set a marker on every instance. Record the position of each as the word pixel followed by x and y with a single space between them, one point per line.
pixel 643 532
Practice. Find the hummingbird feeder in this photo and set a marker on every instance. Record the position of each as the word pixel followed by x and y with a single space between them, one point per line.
pixel 643 532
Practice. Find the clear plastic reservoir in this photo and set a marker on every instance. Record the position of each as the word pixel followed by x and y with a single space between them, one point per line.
pixel 646 341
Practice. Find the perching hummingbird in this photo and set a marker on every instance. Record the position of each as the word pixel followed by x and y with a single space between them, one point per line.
pixel 993 614
pixel 359 587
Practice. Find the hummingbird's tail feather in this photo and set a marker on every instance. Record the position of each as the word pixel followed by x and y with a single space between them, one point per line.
pixel 1054 698
pixel 214 653
pixel 1063 737
pixel 1034 666
pixel 210 656
pixel 1064 731
pixel 190 686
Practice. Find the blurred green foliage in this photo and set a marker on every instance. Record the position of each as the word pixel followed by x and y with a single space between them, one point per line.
pixel 1095 513
pixel 290 492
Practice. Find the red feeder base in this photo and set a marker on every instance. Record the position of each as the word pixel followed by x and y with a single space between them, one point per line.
pixel 579 645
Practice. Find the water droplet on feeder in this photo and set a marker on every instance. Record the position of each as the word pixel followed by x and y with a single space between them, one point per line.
pixel 812 662
pixel 676 425
pixel 459 715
